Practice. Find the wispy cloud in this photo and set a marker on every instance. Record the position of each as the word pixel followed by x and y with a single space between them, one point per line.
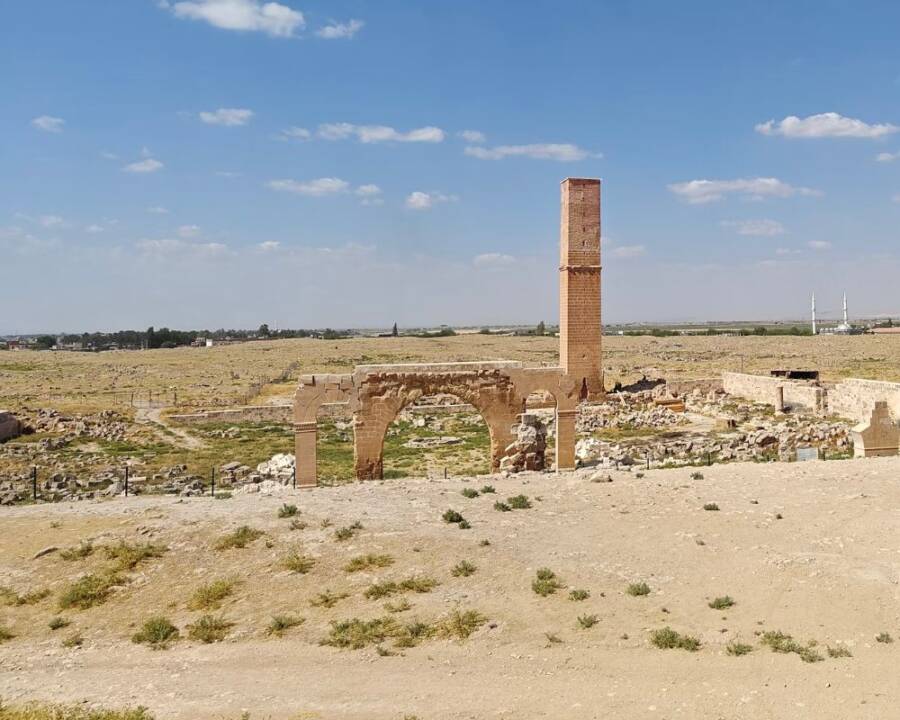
pixel 147 165
pixel 628 251
pixel 158 210
pixel 825 125
pixel 419 200
pixel 761 228
pixel 472 136
pixel 561 152
pixel 493 260
pixel 698 192
pixel 188 231
pixel 819 244
pixel 269 245
pixel 271 18
pixel 369 194
pixel 163 247
pixel 313 188
pixel 228 117
pixel 295 133
pixel 340 31
pixel 781 252
pixel 48 123
pixel 378 133
pixel 887 157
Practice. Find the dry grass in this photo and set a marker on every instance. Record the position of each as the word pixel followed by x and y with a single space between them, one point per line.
pixel 209 629
pixel 211 595
pixel 239 538
pixel 127 556
pixel 280 624
pixel 158 632
pixel 90 590
pixel 368 562
pixel 298 563
pixel 41 711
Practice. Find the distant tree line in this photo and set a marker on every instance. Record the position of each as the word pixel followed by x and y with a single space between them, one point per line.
pixel 743 332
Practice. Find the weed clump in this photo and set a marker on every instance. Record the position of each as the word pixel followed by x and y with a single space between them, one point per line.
pixel 518 502
pixel 356 634
pixel 367 562
pixel 388 588
pixel 345 533
pixel 240 538
pixel 90 590
pixel 280 624
pixel 78 552
pixel 32 597
pixel 128 556
pixel 469 493
pixel 839 651
pixel 210 596
pixel 696 475
pixel 463 569
pixel 400 606
pixel 210 629
pixel 587 621
pixel 487 490
pixel 5 634
pixel 638 589
pixel 782 643
pixel 451 516
pixel 501 506
pixel 297 563
pixel 459 625
pixel 412 634
pixel 41 711
pixel 75 640
pixel 546 582
pixel 287 511
pixel 737 648
pixel 721 603
pixel 711 507
pixel 328 599
pixel 579 595
pixel 668 639
pixel 884 637
pixel 57 623
pixel 157 632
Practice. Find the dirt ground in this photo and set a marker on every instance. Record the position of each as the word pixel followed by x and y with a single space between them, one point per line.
pixel 807 548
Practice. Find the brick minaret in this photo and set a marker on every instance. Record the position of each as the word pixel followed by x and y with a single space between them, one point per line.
pixel 579 285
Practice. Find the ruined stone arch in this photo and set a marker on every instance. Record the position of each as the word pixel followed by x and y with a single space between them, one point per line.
pixel 313 392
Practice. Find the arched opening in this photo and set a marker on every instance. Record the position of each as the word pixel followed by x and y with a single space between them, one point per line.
pixel 437 434
pixel 334 444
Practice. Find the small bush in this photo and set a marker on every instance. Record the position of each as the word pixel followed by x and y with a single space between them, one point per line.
pixel 484 543
pixel 210 596
pixel 78 552
pixel 32 597
pixel 668 639
pixel 464 525
pixel 697 475
pixel 389 588
pixel 552 639
pixel 90 590
pixel 463 569
pixel 738 648
pixel 297 525
pixel 280 624
pixel 638 589
pixel 400 606
pixel 75 640
pixel 469 493
pixel 782 643
pixel 328 599
pixel 412 634
pixel 587 621
pixel 356 634
pixel 297 563
pixel 839 651
pixel 157 632
pixel 579 595
pixel 487 490
pixel 545 582
pixel 287 511
pixel 711 507
pixel 240 538
pixel 518 502
pixel 459 625
pixel 451 516
pixel 722 603
pixel 57 623
pixel 367 562
pixel 344 533
pixel 501 506
pixel 209 629
pixel 128 556
pixel 884 637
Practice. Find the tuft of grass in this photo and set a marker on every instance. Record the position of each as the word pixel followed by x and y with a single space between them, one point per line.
pixel 451 516
pixel 464 525
pixel 553 639
pixel 412 634
pixel 345 533
pixel 638 589
pixel 460 625
pixel 11 597
pixel 157 632
pixel 297 563
pixel 487 490
pixel 711 507
pixel 239 538
pixel 78 552
pixel 782 643
pixel 587 621
pixel 90 590
pixel 484 543
pixel 463 569
pixel 545 582
pixel 721 603
pixel 356 634
pixel 298 525
pixel 884 637
pixel 287 511
pixel 75 640
pixel 839 651
pixel 367 562
pixel 388 588
pixel 501 506
pixel 58 623
pixel 469 493
pixel 579 595
pixel 328 599
pixel 400 606
pixel 128 556
pixel 211 595
pixel 737 648
pixel 5 634
pixel 668 639
pixel 697 475
pixel 209 629
pixel 41 711
pixel 518 502
pixel 280 624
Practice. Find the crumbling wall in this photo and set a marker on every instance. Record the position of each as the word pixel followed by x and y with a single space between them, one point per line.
pixel 246 413
pixel 798 395
pixel 680 388
pixel 855 398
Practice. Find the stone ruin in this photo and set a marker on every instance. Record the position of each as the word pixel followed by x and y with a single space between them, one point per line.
pixel 499 391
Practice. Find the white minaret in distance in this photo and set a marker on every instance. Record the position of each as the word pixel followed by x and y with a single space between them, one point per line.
pixel 846 323
pixel 814 313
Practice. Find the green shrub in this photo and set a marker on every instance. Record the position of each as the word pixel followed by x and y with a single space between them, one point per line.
pixel 328 599
pixel 579 595
pixel 463 569
pixel 469 493
pixel 78 552
pixel 545 582
pixel 884 637
pixel 839 651
pixel 287 511
pixel 722 603
pixel 638 589
pixel 41 711
pixel 90 590
pixel 280 624
pixel 487 490
pixel 211 595
pixel 367 562
pixel 738 648
pixel 412 634
pixel 411 584
pixel 668 639
pixel 459 625
pixel 297 563
pixel 502 506
pixel 587 621
pixel 209 629
pixel 782 643
pixel 240 538
pixel 128 556
pixel 451 516
pixel 157 632
pixel 356 634
pixel 518 502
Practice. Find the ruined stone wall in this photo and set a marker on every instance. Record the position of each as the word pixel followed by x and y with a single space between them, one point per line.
pixel 855 398
pixel 246 413
pixel 798 395
pixel 680 388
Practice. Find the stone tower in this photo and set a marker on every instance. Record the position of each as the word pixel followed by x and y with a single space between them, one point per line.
pixel 579 286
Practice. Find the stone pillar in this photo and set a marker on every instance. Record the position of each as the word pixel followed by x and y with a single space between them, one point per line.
pixel 565 440
pixel 305 453
pixel 579 286
pixel 779 399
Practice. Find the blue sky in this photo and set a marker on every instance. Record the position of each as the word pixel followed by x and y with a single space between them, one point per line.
pixel 214 163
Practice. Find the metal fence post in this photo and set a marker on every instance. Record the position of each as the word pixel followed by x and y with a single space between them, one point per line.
pixel 126 481
pixel 34 483
pixel 294 475
pixel 212 475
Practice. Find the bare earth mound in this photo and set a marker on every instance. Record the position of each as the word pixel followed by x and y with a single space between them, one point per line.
pixel 805 549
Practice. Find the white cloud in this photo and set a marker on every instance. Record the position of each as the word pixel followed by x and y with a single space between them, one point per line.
pixel 228 117
pixel 271 18
pixel 158 210
pixel 493 260
pixel 106 155
pixel 472 136
pixel 48 123
pixel 50 221
pixel 629 251
pixel 419 200
pixel 819 244
pixel 761 228
pixel 379 133
pixel 562 152
pixel 786 251
pixel 147 165
pixel 269 245
pixel 896 198
pixel 824 125
pixel 698 192
pixel 369 194
pixel 314 188
pixel 887 157
pixel 94 229
pixel 339 31
pixel 163 247
pixel 295 133
pixel 188 231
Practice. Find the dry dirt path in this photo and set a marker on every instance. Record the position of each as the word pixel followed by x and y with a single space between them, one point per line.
pixel 182 438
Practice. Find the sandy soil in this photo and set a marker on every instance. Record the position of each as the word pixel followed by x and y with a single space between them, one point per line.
pixel 828 570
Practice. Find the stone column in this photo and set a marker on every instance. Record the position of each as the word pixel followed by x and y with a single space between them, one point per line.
pixel 305 453
pixel 779 399
pixel 565 440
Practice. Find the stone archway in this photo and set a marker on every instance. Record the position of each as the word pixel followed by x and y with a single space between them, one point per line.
pixel 313 392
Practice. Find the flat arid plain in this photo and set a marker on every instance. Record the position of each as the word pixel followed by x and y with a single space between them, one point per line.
pixel 735 590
